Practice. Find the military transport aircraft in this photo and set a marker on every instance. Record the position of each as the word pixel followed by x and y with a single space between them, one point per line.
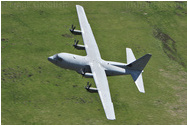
pixel 92 65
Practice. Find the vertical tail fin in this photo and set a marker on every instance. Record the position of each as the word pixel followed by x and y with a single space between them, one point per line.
pixel 136 67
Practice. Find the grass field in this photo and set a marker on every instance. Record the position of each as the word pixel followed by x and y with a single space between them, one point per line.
pixel 34 91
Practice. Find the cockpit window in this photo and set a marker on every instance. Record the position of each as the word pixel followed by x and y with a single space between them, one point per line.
pixel 58 58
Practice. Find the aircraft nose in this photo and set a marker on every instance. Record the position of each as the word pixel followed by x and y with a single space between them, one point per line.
pixel 50 58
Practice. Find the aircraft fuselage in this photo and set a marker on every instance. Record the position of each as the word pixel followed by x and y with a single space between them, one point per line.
pixel 80 63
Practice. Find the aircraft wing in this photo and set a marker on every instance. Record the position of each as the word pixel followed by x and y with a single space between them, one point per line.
pixel 93 54
pixel 87 34
pixel 101 82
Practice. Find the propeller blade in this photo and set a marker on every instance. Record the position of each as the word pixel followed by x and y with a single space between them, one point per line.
pixel 90 85
pixel 87 83
pixel 83 72
pixel 73 27
pixel 77 42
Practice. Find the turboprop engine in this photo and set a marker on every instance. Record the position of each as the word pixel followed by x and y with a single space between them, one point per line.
pixel 77 46
pixel 86 75
pixel 75 32
pixel 91 89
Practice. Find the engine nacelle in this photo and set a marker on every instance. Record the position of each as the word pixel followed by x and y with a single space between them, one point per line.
pixel 79 47
pixel 76 32
pixel 88 75
pixel 92 90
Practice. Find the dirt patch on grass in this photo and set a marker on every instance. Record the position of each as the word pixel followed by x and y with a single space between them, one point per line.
pixel 14 74
pixel 41 12
pixel 169 46
pixel 4 40
pixel 179 77
pixel 177 108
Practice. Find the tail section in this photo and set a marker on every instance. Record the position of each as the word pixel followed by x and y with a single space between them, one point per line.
pixel 130 55
pixel 140 63
pixel 135 68
pixel 137 77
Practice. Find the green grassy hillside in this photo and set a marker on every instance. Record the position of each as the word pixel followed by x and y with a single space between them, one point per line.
pixel 34 91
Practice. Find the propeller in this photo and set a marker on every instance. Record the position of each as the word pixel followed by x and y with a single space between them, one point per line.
pixel 75 43
pixel 83 72
pixel 88 85
pixel 73 27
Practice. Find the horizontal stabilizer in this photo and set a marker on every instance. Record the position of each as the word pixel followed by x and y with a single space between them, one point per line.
pixel 130 55
pixel 140 63
pixel 137 77
pixel 139 83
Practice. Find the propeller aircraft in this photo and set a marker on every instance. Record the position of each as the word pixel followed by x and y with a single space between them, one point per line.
pixel 93 66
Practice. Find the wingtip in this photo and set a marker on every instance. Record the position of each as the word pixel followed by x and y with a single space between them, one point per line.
pixel 79 6
pixel 142 92
pixel 111 118
pixel 128 49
